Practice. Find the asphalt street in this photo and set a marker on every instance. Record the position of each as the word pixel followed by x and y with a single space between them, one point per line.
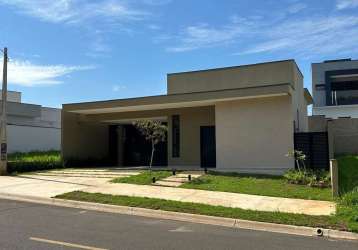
pixel 34 226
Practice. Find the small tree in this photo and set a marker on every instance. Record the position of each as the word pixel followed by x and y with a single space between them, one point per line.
pixel 153 131
pixel 299 157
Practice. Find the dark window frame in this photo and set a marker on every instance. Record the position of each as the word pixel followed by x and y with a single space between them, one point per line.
pixel 328 79
pixel 175 136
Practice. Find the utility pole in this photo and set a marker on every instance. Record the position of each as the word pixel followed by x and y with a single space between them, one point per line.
pixel 3 137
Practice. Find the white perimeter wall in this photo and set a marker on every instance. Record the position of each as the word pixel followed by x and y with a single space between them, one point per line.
pixel 254 136
pixel 27 138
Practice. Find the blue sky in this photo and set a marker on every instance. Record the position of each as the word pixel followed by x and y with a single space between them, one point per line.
pixel 75 50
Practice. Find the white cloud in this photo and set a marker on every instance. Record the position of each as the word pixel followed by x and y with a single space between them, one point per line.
pixel 204 36
pixel 310 36
pixel 306 36
pixel 154 27
pixel 157 2
pixel 97 17
pixel 74 11
pixel 26 73
pixel 297 7
pixel 346 4
pixel 116 88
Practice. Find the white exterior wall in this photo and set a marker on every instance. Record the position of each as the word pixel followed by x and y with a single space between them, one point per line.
pixel 335 112
pixel 254 135
pixel 39 133
pixel 27 138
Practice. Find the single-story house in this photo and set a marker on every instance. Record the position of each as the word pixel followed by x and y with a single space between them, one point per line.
pixel 240 118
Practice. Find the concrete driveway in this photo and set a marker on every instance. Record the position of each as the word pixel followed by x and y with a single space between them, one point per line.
pixel 51 183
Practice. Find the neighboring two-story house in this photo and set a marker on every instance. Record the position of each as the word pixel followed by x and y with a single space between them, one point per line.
pixel 335 108
pixel 335 88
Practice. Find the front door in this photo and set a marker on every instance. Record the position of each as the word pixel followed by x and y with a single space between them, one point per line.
pixel 207 147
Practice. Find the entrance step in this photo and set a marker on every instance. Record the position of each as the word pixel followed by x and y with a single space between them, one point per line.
pixel 81 175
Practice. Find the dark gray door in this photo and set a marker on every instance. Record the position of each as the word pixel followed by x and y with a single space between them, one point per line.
pixel 207 147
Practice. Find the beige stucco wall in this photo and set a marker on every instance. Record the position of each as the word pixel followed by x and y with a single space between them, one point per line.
pixel 82 140
pixel 254 135
pixel 344 133
pixel 263 74
pixel 190 121
pixel 299 102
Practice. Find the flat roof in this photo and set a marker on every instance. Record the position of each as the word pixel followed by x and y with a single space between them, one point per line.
pixel 237 66
pixel 177 100
pixel 343 60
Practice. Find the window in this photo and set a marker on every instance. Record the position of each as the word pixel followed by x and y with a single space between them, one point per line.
pixel 298 120
pixel 176 136
pixel 344 93
pixel 320 86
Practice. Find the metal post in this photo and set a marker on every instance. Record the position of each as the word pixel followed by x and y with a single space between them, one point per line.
pixel 3 137
pixel 334 177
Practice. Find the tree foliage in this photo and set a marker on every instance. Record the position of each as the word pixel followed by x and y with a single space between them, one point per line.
pixel 153 131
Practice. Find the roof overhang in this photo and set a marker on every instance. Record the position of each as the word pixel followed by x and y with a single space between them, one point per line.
pixel 177 100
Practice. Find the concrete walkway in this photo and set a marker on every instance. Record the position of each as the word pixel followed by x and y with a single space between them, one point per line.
pixel 52 183
pixel 234 200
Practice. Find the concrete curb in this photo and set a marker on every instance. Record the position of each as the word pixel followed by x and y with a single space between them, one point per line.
pixel 194 218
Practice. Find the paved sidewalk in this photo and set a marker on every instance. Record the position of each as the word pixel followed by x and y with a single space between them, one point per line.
pixel 244 201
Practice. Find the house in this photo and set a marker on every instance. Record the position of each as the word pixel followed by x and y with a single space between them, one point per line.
pixel 31 127
pixel 335 108
pixel 240 118
pixel 335 88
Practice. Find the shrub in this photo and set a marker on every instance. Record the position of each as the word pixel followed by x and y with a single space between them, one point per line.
pixel 34 161
pixel 296 177
pixel 348 208
pixel 350 199
pixel 308 177
pixel 348 172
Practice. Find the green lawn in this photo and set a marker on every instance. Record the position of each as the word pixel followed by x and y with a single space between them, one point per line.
pixel 144 178
pixel 344 220
pixel 348 172
pixel 258 185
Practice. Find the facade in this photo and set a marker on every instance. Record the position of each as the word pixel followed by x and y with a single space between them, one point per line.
pixel 31 127
pixel 239 118
pixel 335 88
